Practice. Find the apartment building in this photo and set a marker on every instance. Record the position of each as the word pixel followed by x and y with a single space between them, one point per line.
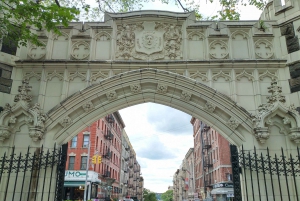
pixel 213 174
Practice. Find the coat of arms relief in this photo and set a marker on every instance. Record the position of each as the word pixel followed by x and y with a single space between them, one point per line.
pixel 149 41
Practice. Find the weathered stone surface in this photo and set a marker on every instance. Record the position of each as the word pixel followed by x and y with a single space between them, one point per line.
pixel 295 70
pixel 292 41
pixel 4 89
pixel 5 81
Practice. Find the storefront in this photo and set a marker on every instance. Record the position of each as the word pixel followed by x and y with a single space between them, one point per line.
pixel 223 191
pixel 75 183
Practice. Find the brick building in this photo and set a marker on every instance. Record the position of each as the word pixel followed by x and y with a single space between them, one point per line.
pixel 105 138
pixel 213 174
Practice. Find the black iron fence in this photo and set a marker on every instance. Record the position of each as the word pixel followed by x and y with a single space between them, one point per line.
pixel 34 175
pixel 265 176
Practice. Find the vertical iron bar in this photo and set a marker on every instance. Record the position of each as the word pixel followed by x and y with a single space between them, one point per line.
pixel 278 176
pixel 61 166
pixel 52 164
pixel 57 174
pixel 25 169
pixel 250 167
pixel 245 172
pixel 2 166
pixel 235 173
pixel 270 170
pixel 294 176
pixel 32 169
pixel 285 173
pixel 39 170
pixel 9 170
pixel 256 169
pixel 263 170
pixel 17 173
pixel 46 165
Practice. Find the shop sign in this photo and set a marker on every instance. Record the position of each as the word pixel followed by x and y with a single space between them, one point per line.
pixel 81 176
pixel 223 185
pixel 230 195
pixel 75 174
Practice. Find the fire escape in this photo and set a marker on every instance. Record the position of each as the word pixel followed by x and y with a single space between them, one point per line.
pixel 206 157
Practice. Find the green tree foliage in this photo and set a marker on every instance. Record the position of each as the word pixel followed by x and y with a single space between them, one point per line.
pixel 167 196
pixel 149 196
pixel 20 19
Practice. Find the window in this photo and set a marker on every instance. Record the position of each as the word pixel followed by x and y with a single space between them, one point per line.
pixel 86 139
pixel 83 162
pixel 74 142
pixel 71 162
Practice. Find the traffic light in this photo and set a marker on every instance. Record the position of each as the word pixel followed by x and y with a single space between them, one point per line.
pixel 99 159
pixel 94 159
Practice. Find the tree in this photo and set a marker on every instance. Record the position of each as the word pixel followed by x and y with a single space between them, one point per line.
pixel 149 196
pixel 167 196
pixel 21 19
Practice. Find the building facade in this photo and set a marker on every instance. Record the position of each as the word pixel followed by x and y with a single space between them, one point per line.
pixel 212 163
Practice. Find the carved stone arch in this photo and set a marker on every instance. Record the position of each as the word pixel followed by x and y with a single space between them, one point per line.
pixel 59 75
pixel 20 113
pixel 198 74
pixel 60 47
pixel 240 32
pixel 267 73
pixel 199 34
pixel 30 74
pixel 63 34
pixel 276 106
pixel 73 75
pixel 245 74
pixel 99 36
pixel 160 87
pixel 221 74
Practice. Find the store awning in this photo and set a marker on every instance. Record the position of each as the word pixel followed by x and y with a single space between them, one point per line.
pixel 222 191
pixel 73 183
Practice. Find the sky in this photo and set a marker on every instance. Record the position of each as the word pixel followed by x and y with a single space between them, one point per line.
pixel 160 135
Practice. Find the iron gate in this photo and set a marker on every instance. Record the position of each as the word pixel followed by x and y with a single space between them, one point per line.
pixel 32 176
pixel 265 177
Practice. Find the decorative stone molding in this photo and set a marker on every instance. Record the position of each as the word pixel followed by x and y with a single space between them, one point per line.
pixel 72 154
pixel 209 107
pixel 200 75
pixel 12 117
pixel 262 134
pixel 268 74
pixel 77 74
pixel 218 49
pixel 66 121
pixel 185 95
pixel 233 123
pixel 28 75
pixel 36 52
pixel 149 41
pixel 263 49
pixel 62 34
pixel 162 89
pixel 97 75
pixel 241 33
pixel 195 36
pixel 221 74
pixel 245 74
pixel 112 95
pixel 276 107
pixel 59 75
pixel 80 50
pixel 88 106
pixel 103 36
pixel 135 88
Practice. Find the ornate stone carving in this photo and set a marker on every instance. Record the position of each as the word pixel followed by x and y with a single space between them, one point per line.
pixel 209 107
pixel 21 113
pixel 185 95
pixel 59 75
pixel 31 74
pixel 88 106
pixel 295 135
pixel 37 52
pixel 262 134
pixel 125 40
pixel 149 41
pixel 96 75
pixel 66 121
pixel 77 74
pixel 263 49
pixel 111 95
pixel 162 89
pixel 218 50
pixel 221 74
pixel 200 75
pixel 245 74
pixel 233 123
pixel 80 50
pixel 276 107
pixel 135 88
pixel 268 74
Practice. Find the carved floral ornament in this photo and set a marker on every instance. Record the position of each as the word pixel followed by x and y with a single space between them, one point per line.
pixel 276 113
pixel 20 113
pixel 264 49
pixel 135 88
pixel 37 52
pixel 162 89
pixel 80 50
pixel 185 95
pixel 218 49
